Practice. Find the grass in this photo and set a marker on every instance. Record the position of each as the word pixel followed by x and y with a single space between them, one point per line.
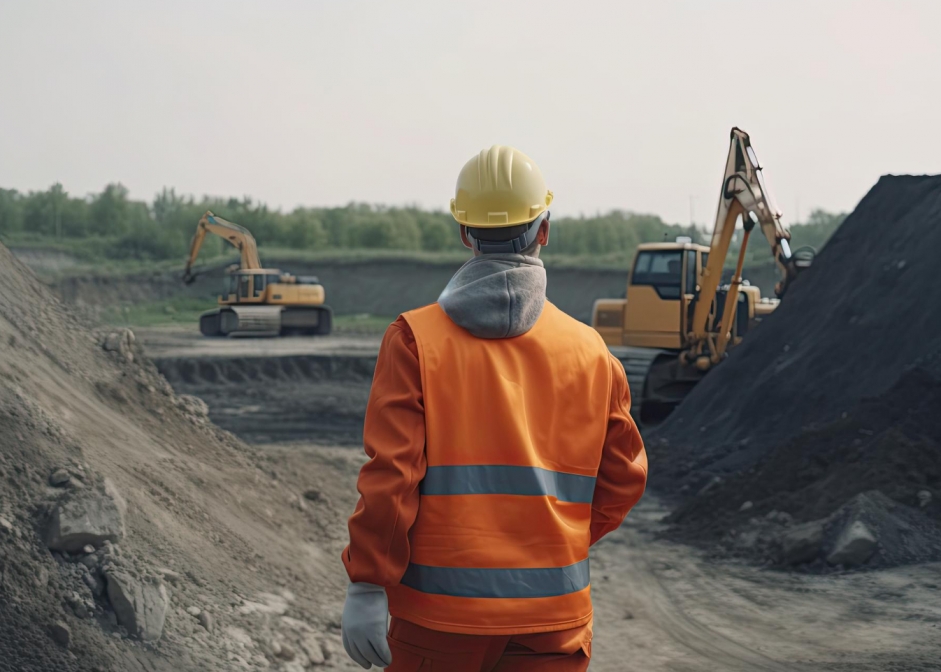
pixel 179 310
pixel 185 311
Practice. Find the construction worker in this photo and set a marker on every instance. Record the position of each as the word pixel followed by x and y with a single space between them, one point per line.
pixel 501 447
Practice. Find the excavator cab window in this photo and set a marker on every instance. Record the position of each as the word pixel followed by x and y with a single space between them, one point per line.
pixel 244 286
pixel 690 272
pixel 259 285
pixel 661 269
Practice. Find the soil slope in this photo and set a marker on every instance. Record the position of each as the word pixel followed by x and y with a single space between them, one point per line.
pixel 847 330
pixel 222 528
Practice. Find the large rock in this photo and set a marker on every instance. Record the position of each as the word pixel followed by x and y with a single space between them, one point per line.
pixel 802 543
pixel 85 519
pixel 855 545
pixel 61 634
pixel 194 407
pixel 312 647
pixel 141 607
pixel 120 341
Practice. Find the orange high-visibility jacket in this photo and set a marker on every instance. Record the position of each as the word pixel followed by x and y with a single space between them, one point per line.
pixel 529 456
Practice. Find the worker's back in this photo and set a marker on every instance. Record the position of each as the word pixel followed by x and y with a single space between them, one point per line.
pixel 501 448
pixel 514 434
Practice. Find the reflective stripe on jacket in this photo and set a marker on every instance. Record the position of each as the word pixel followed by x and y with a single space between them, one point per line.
pixel 514 434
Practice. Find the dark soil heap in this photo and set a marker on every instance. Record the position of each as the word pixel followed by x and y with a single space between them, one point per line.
pixel 847 330
pixel 889 443
pixel 836 394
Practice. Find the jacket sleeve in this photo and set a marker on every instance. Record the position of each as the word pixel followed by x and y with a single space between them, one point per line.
pixel 622 474
pixel 394 439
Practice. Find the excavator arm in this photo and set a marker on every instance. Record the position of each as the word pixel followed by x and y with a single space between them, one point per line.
pixel 744 193
pixel 238 236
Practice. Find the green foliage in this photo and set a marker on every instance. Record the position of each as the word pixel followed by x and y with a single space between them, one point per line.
pixel 178 310
pixel 11 212
pixel 815 233
pixel 616 232
pixel 110 225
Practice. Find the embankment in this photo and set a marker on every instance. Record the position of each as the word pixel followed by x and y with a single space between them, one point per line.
pixel 377 284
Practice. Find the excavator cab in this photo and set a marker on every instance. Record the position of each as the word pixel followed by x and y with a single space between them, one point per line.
pixel 661 288
pixel 249 286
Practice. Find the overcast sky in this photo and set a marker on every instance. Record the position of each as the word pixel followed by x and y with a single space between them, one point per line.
pixel 622 104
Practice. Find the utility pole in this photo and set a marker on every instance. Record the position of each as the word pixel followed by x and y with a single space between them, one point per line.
pixel 692 218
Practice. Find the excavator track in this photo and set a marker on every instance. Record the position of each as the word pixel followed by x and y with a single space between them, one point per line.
pixel 261 321
pixel 658 383
pixel 637 362
pixel 306 320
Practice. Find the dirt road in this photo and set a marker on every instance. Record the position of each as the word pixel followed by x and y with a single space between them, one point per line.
pixel 663 606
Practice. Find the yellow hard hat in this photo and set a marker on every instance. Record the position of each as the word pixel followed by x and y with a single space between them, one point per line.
pixel 499 187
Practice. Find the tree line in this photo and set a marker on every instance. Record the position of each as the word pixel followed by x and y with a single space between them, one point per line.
pixel 110 225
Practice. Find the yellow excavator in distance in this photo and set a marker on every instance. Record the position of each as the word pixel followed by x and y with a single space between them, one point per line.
pixel 258 301
pixel 676 322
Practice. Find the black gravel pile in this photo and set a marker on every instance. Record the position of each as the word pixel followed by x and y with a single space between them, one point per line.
pixel 850 327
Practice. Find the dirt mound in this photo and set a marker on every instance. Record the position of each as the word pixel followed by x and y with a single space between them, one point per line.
pixel 903 535
pixel 846 330
pixel 836 394
pixel 890 444
pixel 136 535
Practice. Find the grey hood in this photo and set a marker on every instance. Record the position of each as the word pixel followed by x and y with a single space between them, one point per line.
pixel 496 295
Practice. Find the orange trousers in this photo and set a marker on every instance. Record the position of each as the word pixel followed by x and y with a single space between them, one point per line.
pixel 418 649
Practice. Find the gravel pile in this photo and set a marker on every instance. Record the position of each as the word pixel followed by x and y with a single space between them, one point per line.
pixel 836 394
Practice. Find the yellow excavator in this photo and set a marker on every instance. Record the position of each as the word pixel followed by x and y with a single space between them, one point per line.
pixel 258 301
pixel 678 320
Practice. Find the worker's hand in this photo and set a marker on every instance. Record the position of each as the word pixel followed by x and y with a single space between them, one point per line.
pixel 364 627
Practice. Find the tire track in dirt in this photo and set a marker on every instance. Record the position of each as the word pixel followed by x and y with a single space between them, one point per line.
pixel 646 583
pixel 664 607
pixel 707 643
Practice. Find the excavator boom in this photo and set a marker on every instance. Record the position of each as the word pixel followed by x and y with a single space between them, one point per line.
pixel 237 235
pixel 678 319
pixel 744 193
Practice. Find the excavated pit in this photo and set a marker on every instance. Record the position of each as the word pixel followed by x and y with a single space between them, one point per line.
pixel 313 398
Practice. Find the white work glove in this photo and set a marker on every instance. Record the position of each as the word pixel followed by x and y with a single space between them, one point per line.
pixel 364 626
